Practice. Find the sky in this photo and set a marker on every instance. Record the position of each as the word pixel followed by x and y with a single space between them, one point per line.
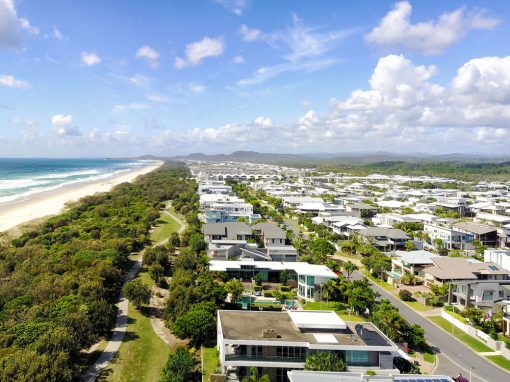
pixel 122 78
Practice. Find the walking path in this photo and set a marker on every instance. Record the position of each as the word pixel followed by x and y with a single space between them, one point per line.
pixel 95 370
pixel 121 324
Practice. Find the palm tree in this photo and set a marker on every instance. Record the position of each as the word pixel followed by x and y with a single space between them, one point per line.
pixel 349 267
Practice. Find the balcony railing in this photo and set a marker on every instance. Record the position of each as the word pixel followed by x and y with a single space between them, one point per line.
pixel 259 358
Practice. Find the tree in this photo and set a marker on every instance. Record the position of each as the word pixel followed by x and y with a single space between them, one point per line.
pixel 197 242
pixel 349 268
pixel 408 279
pixel 362 296
pixel 410 246
pixel 235 288
pixel 157 273
pixel 322 249
pixel 438 244
pixel 254 376
pixel 137 292
pixel 284 277
pixel 197 324
pixel 175 239
pixel 179 366
pixel 405 295
pixel 324 361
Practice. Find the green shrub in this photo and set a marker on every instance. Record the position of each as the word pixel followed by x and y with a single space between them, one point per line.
pixel 405 295
pixel 268 293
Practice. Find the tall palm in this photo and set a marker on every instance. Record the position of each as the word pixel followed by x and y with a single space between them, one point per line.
pixel 254 376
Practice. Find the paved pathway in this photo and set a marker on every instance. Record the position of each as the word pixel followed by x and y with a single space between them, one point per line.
pixel 454 356
pixel 95 370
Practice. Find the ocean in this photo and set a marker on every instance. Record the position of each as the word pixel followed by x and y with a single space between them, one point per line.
pixel 20 178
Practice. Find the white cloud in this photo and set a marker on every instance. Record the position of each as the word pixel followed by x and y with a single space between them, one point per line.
pixel 63 126
pixel 305 49
pixel 57 34
pixel 11 25
pixel 263 122
pixel 402 107
pixel 235 6
pixel 150 55
pixel 129 106
pixel 430 37
pixel 197 51
pixel 12 82
pixel 250 35
pixel 61 120
pixel 197 88
pixel 90 59
pixel 238 60
pixel 25 24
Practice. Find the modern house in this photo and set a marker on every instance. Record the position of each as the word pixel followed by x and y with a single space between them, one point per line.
pixel 389 220
pixel 279 342
pixel 412 262
pixel 386 239
pixel 309 277
pixel 485 234
pixel 226 231
pixel 451 238
pixel 459 269
pixel 482 294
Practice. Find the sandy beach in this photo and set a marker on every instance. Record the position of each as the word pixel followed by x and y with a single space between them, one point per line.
pixel 52 202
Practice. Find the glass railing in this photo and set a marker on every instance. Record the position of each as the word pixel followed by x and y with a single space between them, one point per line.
pixel 260 358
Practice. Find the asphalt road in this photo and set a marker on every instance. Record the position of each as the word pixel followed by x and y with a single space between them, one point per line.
pixel 454 357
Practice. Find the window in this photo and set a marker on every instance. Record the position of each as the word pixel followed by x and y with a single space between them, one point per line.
pixel 310 280
pixel 357 358
pixel 488 295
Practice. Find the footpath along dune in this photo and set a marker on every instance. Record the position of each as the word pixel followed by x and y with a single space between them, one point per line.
pixel 52 202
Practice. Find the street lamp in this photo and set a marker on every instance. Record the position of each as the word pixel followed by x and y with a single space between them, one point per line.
pixel 470 372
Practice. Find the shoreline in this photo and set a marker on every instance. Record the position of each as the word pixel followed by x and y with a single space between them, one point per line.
pixel 52 202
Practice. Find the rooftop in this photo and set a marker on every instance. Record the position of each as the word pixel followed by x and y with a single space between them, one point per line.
pixel 323 376
pixel 234 327
pixel 298 267
pixel 478 229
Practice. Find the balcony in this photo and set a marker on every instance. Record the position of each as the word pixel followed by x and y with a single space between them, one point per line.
pixel 261 358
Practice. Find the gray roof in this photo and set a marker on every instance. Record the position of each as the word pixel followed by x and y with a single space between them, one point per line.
pixel 478 229
pixel 270 230
pixel 458 268
pixel 391 233
pixel 234 327
pixel 230 230
pixel 362 206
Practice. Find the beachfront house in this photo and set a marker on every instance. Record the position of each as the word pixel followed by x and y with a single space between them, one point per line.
pixel 278 342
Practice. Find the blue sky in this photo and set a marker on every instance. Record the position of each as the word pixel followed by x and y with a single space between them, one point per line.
pixel 125 78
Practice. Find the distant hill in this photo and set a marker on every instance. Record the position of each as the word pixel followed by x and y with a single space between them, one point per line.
pixel 316 159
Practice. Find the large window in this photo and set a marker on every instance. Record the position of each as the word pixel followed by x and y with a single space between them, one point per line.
pixel 291 352
pixel 357 358
pixel 310 280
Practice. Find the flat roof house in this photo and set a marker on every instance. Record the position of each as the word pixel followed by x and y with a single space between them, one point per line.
pixel 309 277
pixel 277 342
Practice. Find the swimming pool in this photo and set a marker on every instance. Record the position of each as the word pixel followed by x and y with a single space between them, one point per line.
pixel 245 301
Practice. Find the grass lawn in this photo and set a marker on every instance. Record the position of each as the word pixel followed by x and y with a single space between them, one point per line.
pixel 210 361
pixel 384 284
pixel 337 307
pixel 418 306
pixel 165 226
pixel 464 337
pixel 500 361
pixel 142 355
pixel 456 315
pixel 429 357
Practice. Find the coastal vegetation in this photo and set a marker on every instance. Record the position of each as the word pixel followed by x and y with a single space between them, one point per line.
pixel 59 282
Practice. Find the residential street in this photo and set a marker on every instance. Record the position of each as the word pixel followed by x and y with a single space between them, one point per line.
pixel 454 356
